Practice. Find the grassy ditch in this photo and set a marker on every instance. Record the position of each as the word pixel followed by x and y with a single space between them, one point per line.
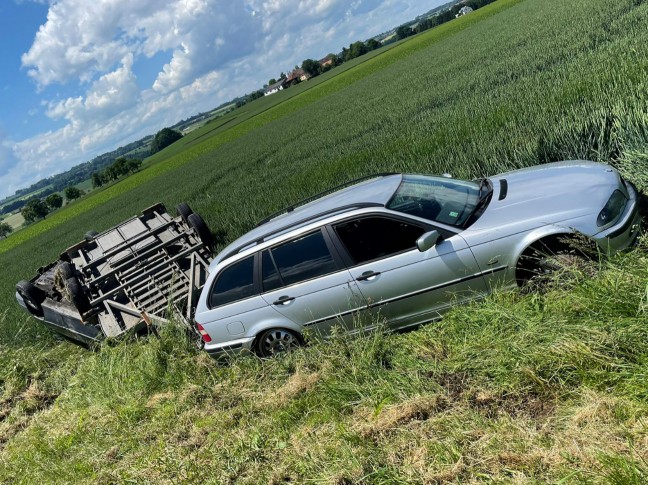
pixel 540 387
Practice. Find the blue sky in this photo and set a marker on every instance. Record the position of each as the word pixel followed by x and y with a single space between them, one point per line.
pixel 82 77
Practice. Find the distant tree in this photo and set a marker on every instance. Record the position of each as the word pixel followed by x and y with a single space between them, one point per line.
pixel 355 50
pixel 255 95
pixel 272 81
pixel 97 179
pixel 373 44
pixel 54 201
pixel 35 209
pixel 73 192
pixel 311 67
pixel 5 230
pixel 163 139
pixel 134 164
pixel 403 31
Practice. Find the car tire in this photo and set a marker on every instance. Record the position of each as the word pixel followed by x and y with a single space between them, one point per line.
pixel 77 296
pixel 184 211
pixel 32 296
pixel 276 341
pixel 90 235
pixel 203 232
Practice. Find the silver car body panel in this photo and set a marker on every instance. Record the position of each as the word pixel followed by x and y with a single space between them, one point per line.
pixel 413 287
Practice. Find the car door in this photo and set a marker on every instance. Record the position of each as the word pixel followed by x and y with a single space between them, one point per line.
pixel 235 303
pixel 305 280
pixel 400 283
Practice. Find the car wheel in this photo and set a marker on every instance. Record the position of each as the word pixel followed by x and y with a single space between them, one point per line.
pixel 32 296
pixel 276 341
pixel 544 259
pixel 184 211
pixel 77 296
pixel 203 232
pixel 90 235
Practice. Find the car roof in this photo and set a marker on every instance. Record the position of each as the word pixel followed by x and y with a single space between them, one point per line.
pixel 374 192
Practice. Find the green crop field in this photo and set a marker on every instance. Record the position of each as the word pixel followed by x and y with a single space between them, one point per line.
pixel 526 388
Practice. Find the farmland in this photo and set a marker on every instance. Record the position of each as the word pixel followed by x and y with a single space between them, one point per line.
pixel 525 387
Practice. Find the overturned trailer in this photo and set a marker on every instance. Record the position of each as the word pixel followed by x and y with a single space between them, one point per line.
pixel 143 271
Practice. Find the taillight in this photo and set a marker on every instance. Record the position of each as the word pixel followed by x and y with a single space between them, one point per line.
pixel 205 336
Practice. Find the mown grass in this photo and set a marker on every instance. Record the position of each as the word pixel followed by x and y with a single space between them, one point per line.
pixel 530 388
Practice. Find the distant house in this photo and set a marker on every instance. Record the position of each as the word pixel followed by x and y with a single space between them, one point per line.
pixel 464 10
pixel 327 61
pixel 297 75
pixel 275 88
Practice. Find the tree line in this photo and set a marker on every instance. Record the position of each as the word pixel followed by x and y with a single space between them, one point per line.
pixel 39 208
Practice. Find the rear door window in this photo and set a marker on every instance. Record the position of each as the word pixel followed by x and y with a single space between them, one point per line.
pixel 302 259
pixel 371 238
pixel 235 282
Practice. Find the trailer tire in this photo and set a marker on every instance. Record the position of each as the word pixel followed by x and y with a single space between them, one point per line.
pixel 78 297
pixel 184 211
pixel 32 296
pixel 90 235
pixel 203 232
pixel 66 269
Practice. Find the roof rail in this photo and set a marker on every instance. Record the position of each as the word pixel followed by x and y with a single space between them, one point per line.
pixel 322 194
pixel 299 222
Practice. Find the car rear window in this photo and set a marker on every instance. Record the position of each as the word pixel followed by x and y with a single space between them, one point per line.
pixel 235 282
pixel 303 259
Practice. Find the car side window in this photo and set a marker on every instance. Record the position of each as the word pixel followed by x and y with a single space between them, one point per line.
pixel 372 238
pixel 304 258
pixel 234 283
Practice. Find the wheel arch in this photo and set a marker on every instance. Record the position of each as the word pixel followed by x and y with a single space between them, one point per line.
pixel 258 328
pixel 548 236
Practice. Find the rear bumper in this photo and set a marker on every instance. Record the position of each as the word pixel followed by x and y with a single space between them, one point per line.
pixel 230 348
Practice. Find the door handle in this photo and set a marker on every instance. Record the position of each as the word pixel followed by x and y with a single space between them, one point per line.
pixel 283 300
pixel 367 275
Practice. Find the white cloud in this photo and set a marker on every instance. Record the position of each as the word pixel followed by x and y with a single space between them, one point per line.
pixel 219 49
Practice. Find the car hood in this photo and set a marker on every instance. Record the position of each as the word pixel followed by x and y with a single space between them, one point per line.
pixel 547 194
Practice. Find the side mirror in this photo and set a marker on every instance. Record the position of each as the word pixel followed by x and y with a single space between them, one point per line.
pixel 427 241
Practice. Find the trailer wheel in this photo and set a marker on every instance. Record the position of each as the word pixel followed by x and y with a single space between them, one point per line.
pixel 202 230
pixel 66 270
pixel 184 211
pixel 90 235
pixel 78 297
pixel 32 296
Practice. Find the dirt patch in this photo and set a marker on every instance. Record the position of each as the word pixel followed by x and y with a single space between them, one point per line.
pixel 518 406
pixel 454 383
pixel 458 388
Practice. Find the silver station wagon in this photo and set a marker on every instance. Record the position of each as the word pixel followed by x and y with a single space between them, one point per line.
pixel 402 249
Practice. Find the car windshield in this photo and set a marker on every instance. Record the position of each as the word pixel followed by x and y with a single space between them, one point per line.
pixel 445 200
